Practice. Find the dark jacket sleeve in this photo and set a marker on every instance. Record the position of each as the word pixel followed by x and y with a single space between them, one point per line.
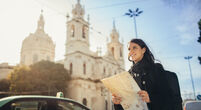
pixel 118 107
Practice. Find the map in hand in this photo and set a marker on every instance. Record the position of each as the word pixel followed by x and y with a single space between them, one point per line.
pixel 124 86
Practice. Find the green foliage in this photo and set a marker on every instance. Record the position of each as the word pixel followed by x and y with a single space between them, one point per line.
pixel 199 38
pixel 199 24
pixel 5 83
pixel 44 76
pixel 199 58
pixel 18 79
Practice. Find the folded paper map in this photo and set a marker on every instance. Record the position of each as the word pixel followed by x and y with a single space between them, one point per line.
pixel 124 86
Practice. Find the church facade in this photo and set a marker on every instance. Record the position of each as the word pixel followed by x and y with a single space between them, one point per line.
pixel 87 68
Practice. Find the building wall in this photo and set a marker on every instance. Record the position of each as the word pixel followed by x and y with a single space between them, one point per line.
pixel 5 69
pixel 88 85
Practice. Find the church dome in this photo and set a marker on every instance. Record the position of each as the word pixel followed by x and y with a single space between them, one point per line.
pixel 37 40
pixel 37 46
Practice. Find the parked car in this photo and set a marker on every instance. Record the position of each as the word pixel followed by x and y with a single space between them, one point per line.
pixel 34 102
pixel 192 105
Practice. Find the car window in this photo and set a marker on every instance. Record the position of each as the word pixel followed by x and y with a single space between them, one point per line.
pixel 64 105
pixel 193 106
pixel 42 104
pixel 28 105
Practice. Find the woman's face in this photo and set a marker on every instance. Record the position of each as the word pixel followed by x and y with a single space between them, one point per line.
pixel 136 52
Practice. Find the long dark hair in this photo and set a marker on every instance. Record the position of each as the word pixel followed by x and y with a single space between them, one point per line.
pixel 148 56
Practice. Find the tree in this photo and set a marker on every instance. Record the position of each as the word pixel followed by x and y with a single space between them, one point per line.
pixel 199 38
pixel 44 76
pixel 19 79
pixel 199 58
pixel 199 24
pixel 5 83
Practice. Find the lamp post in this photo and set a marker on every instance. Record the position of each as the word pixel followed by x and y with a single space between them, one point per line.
pixel 133 14
pixel 188 58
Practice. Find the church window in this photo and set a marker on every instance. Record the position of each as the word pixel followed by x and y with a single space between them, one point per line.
pixel 35 58
pixel 84 101
pixel 106 104
pixel 120 52
pixel 84 68
pixel 113 37
pixel 71 68
pixel 83 32
pixel 104 70
pixel 72 30
pixel 113 51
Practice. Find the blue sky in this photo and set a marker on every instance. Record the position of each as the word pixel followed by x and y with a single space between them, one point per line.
pixel 169 28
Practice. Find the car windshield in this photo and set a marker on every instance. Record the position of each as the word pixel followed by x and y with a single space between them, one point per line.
pixel 193 106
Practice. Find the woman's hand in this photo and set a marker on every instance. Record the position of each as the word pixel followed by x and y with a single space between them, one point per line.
pixel 116 99
pixel 144 95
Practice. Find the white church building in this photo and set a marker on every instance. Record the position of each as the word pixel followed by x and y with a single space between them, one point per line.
pixel 86 67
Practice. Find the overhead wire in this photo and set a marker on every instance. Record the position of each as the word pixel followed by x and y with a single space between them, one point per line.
pixel 117 4
pixel 106 6
pixel 60 13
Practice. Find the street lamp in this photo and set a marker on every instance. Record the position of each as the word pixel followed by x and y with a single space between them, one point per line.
pixel 188 58
pixel 132 13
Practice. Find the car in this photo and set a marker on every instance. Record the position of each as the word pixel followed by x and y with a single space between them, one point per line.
pixel 192 105
pixel 37 102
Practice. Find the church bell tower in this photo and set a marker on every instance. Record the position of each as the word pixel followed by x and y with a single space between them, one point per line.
pixel 115 47
pixel 77 31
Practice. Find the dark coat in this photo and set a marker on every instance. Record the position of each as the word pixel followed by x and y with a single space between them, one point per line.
pixel 152 78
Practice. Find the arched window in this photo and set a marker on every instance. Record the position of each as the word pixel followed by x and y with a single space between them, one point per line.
pixel 84 101
pixel 84 68
pixel 120 52
pixel 106 104
pixel 71 68
pixel 83 32
pixel 72 30
pixel 104 70
pixel 35 58
pixel 113 51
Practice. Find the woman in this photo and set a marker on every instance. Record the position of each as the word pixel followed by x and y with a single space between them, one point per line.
pixel 149 76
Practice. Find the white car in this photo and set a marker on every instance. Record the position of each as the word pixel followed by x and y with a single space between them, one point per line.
pixel 192 105
pixel 33 102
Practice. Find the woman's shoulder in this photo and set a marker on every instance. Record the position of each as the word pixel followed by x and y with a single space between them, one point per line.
pixel 159 70
pixel 159 66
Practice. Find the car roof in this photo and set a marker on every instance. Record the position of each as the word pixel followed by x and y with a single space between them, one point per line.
pixel 10 98
pixel 192 101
